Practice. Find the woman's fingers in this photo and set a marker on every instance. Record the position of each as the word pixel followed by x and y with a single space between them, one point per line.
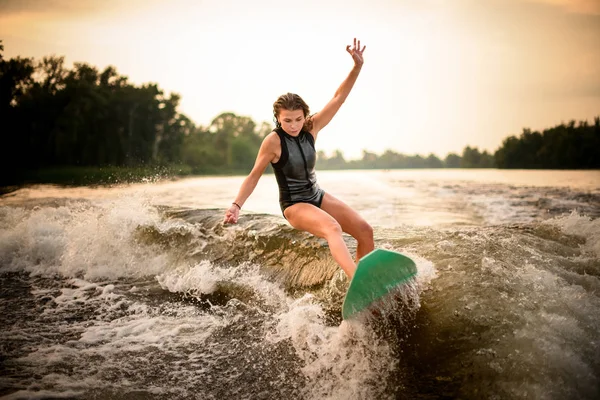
pixel 356 47
pixel 230 217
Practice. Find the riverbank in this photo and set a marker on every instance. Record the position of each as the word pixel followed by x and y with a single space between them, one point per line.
pixel 103 176
pixel 109 176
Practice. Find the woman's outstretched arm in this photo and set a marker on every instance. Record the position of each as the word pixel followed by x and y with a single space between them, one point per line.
pixel 266 154
pixel 322 118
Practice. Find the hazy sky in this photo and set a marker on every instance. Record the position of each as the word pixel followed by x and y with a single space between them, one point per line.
pixel 438 74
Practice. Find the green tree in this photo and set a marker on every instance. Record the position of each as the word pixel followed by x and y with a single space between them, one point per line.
pixel 470 157
pixel 16 78
pixel 452 160
pixel 432 161
pixel 243 153
pixel 565 146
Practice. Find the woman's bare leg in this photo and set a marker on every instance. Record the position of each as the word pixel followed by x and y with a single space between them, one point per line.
pixel 352 223
pixel 306 217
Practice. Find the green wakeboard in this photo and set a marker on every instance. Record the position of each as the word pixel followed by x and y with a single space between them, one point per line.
pixel 377 273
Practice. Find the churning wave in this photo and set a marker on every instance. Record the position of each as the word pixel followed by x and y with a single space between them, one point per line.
pixel 121 299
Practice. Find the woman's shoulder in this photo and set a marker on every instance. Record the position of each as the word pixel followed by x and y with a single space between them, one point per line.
pixel 272 135
pixel 272 139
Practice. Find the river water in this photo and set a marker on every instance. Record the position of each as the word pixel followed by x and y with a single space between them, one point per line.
pixel 139 291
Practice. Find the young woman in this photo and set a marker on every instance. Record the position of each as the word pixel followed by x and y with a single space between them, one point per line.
pixel 290 149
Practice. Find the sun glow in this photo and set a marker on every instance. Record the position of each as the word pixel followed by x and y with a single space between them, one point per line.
pixel 437 76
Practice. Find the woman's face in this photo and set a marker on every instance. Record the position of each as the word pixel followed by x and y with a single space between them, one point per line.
pixel 291 121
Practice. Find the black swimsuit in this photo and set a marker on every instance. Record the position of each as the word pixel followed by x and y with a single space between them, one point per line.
pixel 295 170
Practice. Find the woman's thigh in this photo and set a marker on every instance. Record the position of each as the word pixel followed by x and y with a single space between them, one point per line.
pixel 309 218
pixel 350 221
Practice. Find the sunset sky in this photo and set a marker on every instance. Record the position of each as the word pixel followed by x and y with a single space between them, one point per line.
pixel 438 74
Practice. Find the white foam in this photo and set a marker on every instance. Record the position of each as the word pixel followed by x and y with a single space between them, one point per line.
pixel 201 278
pixel 92 242
pixel 271 293
pixel 33 238
pixel 579 225
pixel 339 362
pixel 560 334
pixel 426 271
pixel 204 277
pixel 105 344
pixel 136 332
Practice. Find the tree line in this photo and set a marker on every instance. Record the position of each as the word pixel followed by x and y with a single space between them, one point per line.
pixel 565 146
pixel 471 158
pixel 572 145
pixel 54 117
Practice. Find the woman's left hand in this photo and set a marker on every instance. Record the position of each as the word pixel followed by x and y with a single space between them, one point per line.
pixel 356 52
pixel 232 215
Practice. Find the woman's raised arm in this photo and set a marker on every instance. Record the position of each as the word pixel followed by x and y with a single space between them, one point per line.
pixel 322 118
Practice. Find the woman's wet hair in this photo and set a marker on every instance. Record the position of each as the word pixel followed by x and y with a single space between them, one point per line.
pixel 291 102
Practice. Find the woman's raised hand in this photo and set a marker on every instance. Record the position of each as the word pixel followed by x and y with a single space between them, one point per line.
pixel 356 52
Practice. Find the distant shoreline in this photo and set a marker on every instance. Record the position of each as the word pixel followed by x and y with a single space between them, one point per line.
pixel 109 176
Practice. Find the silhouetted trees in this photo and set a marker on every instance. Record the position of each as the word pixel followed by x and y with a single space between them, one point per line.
pixel 56 117
pixel 566 146
pixel 53 116
pixel 452 160
pixel 472 158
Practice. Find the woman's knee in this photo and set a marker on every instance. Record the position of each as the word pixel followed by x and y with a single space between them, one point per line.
pixel 365 231
pixel 331 228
